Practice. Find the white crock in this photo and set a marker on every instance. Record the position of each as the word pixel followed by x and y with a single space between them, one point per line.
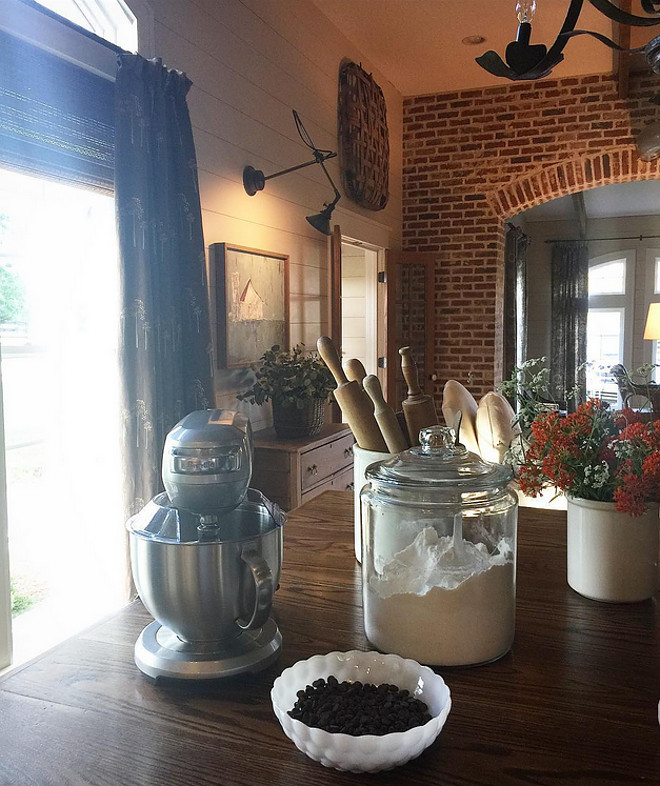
pixel 361 460
pixel 611 556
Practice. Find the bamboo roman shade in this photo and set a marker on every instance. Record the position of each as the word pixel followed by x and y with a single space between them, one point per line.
pixel 56 119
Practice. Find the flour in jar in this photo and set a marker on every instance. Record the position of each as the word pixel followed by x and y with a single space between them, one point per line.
pixel 441 605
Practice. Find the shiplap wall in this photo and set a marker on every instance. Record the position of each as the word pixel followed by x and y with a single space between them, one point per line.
pixel 251 62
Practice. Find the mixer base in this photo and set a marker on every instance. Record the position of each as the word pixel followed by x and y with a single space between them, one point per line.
pixel 160 653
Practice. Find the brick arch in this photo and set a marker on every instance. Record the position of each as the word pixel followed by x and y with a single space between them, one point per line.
pixel 581 173
pixel 605 168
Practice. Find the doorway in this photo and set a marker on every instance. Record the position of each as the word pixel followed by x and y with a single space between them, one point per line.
pixel 359 303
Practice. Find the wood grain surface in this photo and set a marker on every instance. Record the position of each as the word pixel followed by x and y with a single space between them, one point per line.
pixel 574 702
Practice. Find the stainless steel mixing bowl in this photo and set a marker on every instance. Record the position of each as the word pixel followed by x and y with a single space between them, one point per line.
pixel 208 590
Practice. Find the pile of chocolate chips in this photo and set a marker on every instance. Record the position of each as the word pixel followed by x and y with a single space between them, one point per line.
pixel 354 708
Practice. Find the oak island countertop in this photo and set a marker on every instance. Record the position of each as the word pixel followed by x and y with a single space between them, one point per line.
pixel 574 702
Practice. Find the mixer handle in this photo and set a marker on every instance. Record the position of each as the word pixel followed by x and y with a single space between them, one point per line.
pixel 263 583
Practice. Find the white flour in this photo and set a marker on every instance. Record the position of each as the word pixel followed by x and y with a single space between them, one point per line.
pixel 443 608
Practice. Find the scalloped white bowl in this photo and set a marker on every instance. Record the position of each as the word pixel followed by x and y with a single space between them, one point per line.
pixel 368 752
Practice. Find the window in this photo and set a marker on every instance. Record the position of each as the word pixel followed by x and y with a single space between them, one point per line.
pixel 609 321
pixel 108 19
pixel 59 321
pixel 608 278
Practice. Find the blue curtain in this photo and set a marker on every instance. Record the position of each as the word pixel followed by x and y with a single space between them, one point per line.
pixel 165 337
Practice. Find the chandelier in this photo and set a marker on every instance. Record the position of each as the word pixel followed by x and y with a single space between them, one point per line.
pixel 525 60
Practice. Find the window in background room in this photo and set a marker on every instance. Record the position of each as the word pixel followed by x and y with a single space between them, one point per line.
pixel 609 321
pixel 655 345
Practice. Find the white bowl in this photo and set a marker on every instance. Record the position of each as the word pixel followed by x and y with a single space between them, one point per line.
pixel 368 752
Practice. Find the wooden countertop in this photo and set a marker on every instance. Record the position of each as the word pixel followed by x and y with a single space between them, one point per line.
pixel 575 702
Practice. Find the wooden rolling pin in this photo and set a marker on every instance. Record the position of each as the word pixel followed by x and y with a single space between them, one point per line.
pixel 354 402
pixel 385 417
pixel 418 407
pixel 355 371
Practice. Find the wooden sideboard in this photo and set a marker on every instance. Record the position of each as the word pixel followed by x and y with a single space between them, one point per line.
pixel 293 471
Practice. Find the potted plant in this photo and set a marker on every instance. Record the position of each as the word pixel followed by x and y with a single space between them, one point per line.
pixel 298 383
pixel 608 464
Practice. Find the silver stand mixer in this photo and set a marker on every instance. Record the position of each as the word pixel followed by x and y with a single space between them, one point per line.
pixel 206 556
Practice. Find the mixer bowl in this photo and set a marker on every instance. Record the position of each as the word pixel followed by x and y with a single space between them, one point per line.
pixel 209 591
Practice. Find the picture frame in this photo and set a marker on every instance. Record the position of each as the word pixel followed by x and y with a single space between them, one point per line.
pixel 252 303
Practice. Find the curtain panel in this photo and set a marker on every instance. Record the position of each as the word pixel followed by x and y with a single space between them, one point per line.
pixel 165 345
pixel 570 306
pixel 515 298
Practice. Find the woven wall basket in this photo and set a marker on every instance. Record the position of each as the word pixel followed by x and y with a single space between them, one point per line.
pixel 364 144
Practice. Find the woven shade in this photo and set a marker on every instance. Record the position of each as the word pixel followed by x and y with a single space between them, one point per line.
pixel 363 138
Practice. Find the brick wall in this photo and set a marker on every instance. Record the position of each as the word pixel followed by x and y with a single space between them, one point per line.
pixel 473 159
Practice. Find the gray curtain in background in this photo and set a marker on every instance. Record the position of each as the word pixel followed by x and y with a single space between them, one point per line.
pixel 165 347
pixel 515 298
pixel 570 305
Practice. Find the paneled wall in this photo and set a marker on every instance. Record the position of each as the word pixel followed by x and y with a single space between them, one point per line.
pixel 251 62
pixel 475 158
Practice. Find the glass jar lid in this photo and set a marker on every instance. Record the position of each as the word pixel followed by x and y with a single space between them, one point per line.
pixel 439 463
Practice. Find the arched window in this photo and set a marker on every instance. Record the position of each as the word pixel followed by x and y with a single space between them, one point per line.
pixel 112 20
pixel 609 322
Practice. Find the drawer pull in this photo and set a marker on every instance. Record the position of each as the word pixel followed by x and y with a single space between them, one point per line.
pixel 348 452
pixel 350 486
pixel 313 470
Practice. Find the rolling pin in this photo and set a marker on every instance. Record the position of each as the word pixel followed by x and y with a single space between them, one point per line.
pixel 354 402
pixel 385 417
pixel 418 407
pixel 355 371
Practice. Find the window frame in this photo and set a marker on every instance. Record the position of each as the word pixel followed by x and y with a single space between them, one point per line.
pixel 625 301
pixel 650 348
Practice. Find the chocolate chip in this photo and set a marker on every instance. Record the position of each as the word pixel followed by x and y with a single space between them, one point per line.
pixel 356 709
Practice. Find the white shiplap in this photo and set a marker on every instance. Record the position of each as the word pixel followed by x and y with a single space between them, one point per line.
pixel 251 62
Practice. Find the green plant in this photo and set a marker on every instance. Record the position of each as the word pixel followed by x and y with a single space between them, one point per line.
pixel 21 600
pixel 290 378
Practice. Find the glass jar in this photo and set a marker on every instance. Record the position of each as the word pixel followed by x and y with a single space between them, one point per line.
pixel 439 558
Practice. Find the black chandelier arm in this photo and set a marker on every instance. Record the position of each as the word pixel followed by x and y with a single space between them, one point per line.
pixel 571 19
pixel 607 41
pixel 609 10
pixel 651 6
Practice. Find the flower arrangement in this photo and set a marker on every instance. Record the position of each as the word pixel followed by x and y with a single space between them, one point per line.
pixel 595 454
pixel 290 379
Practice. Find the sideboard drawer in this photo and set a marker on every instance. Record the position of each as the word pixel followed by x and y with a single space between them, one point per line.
pixel 291 471
pixel 320 463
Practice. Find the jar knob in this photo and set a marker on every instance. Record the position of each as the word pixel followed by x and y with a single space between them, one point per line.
pixel 435 437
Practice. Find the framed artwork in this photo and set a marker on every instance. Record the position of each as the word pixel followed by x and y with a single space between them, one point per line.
pixel 252 303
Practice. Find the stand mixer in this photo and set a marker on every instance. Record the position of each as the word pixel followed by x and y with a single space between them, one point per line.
pixel 206 556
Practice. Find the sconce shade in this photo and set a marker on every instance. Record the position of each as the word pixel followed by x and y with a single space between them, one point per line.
pixel 321 221
pixel 652 329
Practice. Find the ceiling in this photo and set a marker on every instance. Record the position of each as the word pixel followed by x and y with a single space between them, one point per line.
pixel 641 198
pixel 416 44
